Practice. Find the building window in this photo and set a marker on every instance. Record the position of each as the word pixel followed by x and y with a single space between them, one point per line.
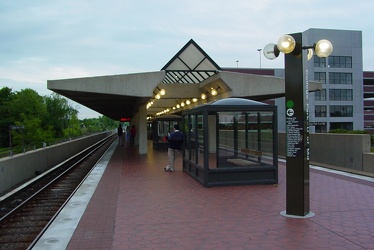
pixel 340 61
pixel 340 95
pixel 320 95
pixel 321 129
pixel 319 62
pixel 341 125
pixel 320 77
pixel 320 111
pixel 341 111
pixel 340 78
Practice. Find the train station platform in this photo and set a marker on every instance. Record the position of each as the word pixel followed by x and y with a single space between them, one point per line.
pixel 130 202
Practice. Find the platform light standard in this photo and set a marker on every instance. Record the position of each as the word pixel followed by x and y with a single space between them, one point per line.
pixel 259 53
pixel 297 117
pixel 15 127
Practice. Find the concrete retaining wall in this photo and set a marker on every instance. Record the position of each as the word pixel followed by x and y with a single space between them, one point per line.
pixel 350 151
pixel 21 167
pixel 368 161
pixel 343 151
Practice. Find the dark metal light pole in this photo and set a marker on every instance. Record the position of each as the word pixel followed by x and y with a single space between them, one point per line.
pixel 297 118
pixel 297 133
pixel 14 127
pixel 259 52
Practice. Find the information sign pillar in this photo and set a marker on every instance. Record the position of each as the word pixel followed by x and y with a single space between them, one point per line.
pixel 297 133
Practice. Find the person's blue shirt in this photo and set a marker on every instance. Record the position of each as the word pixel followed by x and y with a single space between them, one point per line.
pixel 175 140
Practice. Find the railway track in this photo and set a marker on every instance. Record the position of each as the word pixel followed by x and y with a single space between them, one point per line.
pixel 25 215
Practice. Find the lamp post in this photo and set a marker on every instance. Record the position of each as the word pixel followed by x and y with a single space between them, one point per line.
pixel 259 53
pixel 14 127
pixel 297 117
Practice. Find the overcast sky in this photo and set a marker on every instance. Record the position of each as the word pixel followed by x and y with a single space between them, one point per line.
pixel 44 40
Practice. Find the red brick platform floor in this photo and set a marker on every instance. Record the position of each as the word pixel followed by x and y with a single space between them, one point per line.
pixel 139 206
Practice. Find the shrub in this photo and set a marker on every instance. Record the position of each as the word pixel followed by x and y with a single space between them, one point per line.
pixel 343 131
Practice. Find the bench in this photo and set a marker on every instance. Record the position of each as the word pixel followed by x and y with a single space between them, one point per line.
pixel 251 152
pixel 201 149
pixel 243 162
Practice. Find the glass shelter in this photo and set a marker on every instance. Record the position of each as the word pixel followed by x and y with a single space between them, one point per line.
pixel 161 126
pixel 231 141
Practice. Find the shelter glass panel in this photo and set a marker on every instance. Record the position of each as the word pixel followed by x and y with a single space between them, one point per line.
pixel 266 133
pixel 234 143
pixel 227 125
pixel 200 139
pixel 163 130
pixel 243 137
pixel 187 129
pixel 161 127
pixel 191 138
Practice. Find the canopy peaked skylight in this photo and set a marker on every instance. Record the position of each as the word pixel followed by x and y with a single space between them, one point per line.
pixel 190 65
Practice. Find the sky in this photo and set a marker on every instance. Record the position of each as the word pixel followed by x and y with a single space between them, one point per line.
pixel 44 40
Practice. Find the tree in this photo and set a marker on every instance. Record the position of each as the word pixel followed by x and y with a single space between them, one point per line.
pixel 107 123
pixel 73 128
pixel 27 108
pixel 6 95
pixel 59 113
pixel 44 118
pixel 102 123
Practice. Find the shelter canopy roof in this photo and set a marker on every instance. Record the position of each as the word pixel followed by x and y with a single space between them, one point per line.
pixel 188 75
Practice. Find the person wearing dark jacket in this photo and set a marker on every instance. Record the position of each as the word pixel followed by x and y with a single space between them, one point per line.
pixel 132 135
pixel 175 143
pixel 120 135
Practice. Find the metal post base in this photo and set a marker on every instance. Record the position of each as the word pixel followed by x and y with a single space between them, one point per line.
pixel 309 215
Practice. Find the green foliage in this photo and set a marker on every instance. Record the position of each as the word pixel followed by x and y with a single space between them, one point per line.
pixel 27 103
pixel 33 133
pixel 45 119
pixel 98 124
pixel 6 96
pixel 72 129
pixel 343 131
pixel 27 109
pixel 59 113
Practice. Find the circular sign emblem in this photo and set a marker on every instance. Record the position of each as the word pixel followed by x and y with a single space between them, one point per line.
pixel 290 104
pixel 290 112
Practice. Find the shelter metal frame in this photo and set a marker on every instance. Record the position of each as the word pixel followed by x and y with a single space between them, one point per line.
pixel 216 156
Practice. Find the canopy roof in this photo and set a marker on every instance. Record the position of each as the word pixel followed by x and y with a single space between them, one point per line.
pixel 188 75
pixel 190 65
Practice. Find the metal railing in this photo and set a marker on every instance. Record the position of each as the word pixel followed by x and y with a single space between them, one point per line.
pixel 9 152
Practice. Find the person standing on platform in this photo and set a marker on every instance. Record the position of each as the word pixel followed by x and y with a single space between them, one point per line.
pixel 128 133
pixel 175 143
pixel 120 135
pixel 132 135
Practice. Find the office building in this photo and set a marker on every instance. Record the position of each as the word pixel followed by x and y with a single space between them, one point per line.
pixel 340 102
